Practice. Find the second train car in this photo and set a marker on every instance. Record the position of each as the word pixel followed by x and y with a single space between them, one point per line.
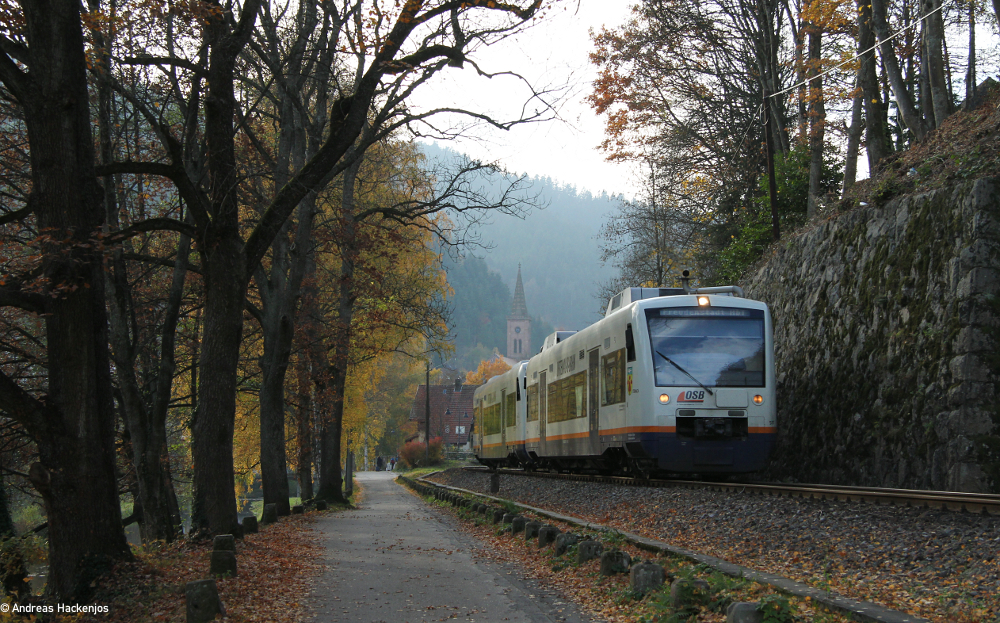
pixel 670 381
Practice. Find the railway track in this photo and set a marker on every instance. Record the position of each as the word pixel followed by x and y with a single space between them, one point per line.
pixel 948 500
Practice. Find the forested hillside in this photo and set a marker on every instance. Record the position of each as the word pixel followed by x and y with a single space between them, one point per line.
pixel 479 310
pixel 555 244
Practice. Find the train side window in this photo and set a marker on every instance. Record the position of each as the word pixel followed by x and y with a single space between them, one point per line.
pixel 613 378
pixel 629 344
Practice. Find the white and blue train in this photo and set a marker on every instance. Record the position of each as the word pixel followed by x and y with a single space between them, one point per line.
pixel 670 381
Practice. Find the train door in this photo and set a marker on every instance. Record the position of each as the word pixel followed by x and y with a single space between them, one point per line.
pixel 503 420
pixel 542 413
pixel 477 427
pixel 593 404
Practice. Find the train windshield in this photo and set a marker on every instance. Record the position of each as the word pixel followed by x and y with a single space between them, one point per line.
pixel 711 346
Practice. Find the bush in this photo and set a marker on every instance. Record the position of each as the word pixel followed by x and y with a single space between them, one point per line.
pixel 791 172
pixel 415 454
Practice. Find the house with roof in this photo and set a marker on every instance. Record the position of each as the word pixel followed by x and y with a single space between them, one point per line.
pixel 450 413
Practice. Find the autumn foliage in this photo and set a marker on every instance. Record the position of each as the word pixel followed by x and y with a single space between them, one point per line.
pixel 415 453
pixel 488 368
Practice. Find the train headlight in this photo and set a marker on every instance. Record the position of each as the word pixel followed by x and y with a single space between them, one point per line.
pixel 758 399
pixel 664 399
pixel 702 301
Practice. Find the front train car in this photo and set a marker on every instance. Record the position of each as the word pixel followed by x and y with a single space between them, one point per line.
pixel 699 382
pixel 670 381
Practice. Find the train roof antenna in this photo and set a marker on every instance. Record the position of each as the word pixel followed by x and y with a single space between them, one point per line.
pixel 686 281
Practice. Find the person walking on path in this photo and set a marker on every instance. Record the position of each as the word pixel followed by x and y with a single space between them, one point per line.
pixel 396 558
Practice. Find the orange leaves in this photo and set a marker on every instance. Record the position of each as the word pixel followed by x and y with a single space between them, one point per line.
pixel 487 369
pixel 275 567
pixel 829 15
pixel 191 11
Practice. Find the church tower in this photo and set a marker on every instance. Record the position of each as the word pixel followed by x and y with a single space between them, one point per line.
pixel 519 324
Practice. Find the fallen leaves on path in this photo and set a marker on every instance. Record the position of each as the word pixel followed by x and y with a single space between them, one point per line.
pixel 867 552
pixel 610 598
pixel 274 568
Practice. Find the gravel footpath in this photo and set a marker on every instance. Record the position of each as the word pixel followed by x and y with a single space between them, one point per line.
pixel 937 564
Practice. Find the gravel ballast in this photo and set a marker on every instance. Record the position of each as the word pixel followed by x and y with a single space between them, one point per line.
pixel 937 564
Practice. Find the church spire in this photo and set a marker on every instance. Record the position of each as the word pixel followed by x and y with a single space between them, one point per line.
pixel 518 324
pixel 520 307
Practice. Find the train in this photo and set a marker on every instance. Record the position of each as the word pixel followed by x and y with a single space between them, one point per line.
pixel 670 382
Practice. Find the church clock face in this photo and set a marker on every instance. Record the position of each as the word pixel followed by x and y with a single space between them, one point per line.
pixel 517 329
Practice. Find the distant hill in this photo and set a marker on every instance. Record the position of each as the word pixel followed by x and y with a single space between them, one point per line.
pixel 556 247
pixel 479 310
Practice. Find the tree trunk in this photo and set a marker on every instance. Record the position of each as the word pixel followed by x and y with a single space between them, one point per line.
pixel 280 292
pixel 224 273
pixel 310 362
pixel 277 324
pixel 817 121
pixel 926 102
pixel 160 517
pixel 970 72
pixel 279 327
pixel 224 266
pixel 770 70
pixel 933 40
pixel 303 422
pixel 853 143
pixel 74 425
pixel 876 141
pixel 903 100
pixel 331 482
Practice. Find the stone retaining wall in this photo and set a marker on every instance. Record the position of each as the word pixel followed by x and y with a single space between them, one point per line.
pixel 886 325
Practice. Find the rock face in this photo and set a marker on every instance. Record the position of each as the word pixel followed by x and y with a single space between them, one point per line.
pixel 685 592
pixel 886 321
pixel 270 514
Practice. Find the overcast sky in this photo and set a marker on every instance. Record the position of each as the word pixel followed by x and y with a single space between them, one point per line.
pixel 551 53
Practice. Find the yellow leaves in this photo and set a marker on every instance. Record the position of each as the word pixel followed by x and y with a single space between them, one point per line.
pixel 487 369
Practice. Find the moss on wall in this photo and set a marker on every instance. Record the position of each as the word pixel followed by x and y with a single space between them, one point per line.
pixel 881 381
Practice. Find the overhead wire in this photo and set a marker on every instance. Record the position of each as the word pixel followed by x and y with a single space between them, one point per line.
pixel 862 53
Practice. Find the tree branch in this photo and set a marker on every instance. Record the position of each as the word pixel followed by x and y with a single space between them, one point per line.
pixel 29 411
pixel 153 224
pixel 28 301
pixel 11 75
pixel 149 60
pixel 174 172
pixel 16 215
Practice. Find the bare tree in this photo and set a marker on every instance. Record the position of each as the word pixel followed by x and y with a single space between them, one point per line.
pixel 876 141
pixel 914 122
pixel 393 55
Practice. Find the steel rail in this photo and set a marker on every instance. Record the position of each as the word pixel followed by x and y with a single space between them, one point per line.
pixel 978 503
